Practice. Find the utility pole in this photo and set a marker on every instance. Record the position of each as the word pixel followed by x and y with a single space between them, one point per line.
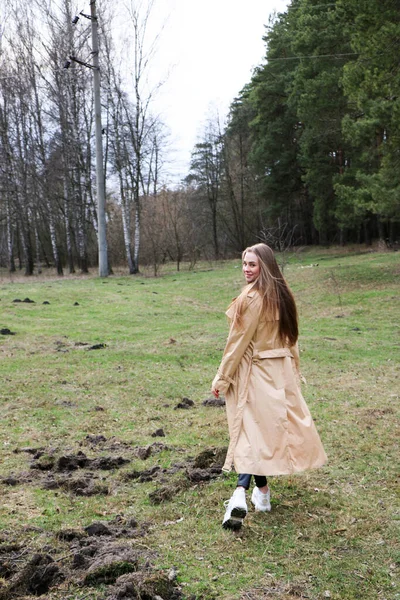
pixel 101 192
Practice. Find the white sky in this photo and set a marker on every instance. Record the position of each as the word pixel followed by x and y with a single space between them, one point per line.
pixel 206 52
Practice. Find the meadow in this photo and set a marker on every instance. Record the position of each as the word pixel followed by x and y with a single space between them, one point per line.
pixel 95 434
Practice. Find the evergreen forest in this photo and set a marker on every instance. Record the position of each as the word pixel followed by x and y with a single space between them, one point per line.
pixel 308 155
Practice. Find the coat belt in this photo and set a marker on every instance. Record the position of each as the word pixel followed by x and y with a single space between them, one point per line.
pixel 275 353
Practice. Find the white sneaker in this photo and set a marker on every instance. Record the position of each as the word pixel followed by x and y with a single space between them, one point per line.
pixel 261 501
pixel 236 510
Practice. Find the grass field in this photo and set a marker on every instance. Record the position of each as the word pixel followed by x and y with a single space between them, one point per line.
pixel 89 378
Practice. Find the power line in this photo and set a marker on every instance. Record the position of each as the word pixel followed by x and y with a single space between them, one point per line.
pixel 314 56
pixel 46 70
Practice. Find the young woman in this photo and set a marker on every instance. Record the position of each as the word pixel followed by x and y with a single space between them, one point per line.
pixel 270 427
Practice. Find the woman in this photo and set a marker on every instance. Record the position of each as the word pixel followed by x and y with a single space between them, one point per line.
pixel 270 426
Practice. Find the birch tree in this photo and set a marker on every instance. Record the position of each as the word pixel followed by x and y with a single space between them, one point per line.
pixel 141 124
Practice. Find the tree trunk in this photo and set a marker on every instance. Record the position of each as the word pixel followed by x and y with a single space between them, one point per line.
pixel 37 245
pixel 136 241
pixel 126 232
pixel 26 250
pixel 215 232
pixel 367 235
pixel 381 228
pixel 67 225
pixel 10 239
pixel 392 232
pixel 53 238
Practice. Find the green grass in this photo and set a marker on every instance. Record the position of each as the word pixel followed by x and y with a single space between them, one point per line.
pixel 331 533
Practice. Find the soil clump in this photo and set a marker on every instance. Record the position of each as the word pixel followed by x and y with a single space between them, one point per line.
pixel 110 553
pixel 185 403
pixel 107 554
pixel 214 402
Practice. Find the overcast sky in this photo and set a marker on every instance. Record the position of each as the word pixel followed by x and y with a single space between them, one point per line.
pixel 206 51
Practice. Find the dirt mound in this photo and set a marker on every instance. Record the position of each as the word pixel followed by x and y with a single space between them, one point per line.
pixel 145 451
pixel 214 402
pixel 145 586
pixel 38 575
pixel 111 562
pixel 167 492
pixel 97 529
pixel 75 473
pixel 106 554
pixel 109 554
pixel 22 478
pixel 158 433
pixel 205 467
pixel 85 485
pixel 143 476
pixel 197 475
pixel 185 403
pixel 95 440
pixel 72 462
pixel 213 458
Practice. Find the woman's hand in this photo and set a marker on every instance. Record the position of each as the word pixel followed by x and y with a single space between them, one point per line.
pixel 215 393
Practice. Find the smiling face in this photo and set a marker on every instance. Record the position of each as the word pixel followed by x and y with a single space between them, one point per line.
pixel 251 267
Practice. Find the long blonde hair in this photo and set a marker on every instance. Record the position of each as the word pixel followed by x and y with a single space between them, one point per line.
pixel 275 293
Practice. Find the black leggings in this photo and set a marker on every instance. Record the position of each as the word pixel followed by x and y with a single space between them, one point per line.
pixel 245 479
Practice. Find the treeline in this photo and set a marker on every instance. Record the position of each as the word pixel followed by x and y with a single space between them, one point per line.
pixel 48 213
pixel 310 152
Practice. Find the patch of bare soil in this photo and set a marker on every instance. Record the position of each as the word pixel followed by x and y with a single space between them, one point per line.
pixel 39 573
pixel 110 554
pixel 378 412
pixel 81 475
pixel 277 591
pixel 107 554
pixel 75 473
pixel 203 468
pixel 145 451
pixel 210 458
pixel 145 587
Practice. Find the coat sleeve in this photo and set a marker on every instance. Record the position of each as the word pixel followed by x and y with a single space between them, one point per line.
pixel 238 341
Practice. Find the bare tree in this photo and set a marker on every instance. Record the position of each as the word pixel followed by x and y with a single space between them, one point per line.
pixel 239 210
pixel 70 93
pixel 48 213
pixel 281 237
pixel 168 229
pixel 135 137
pixel 142 126
pixel 206 175
pixel 7 182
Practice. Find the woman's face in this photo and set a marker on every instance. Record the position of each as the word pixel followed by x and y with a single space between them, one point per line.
pixel 251 267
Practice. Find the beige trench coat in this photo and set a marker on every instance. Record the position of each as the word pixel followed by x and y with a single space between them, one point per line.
pixel 270 427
